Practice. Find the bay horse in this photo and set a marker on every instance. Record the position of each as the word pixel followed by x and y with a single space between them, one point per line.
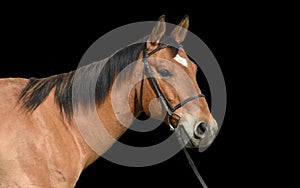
pixel 40 142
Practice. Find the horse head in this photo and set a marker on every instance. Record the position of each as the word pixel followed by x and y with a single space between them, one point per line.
pixel 171 91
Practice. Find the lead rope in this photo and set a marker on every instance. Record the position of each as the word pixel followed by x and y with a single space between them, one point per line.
pixel 190 160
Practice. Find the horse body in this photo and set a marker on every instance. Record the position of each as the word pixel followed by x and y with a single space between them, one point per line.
pixel 41 142
pixel 40 150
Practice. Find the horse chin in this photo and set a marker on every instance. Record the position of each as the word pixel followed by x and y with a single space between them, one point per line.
pixel 198 143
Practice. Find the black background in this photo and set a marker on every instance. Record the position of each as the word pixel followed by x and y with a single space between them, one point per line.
pixel 47 40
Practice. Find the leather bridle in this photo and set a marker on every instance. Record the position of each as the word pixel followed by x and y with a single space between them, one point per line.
pixel 173 117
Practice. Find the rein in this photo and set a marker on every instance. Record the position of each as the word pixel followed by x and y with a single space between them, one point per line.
pixel 173 117
pixel 190 160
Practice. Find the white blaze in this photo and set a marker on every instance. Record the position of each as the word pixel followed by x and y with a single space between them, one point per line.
pixel 181 60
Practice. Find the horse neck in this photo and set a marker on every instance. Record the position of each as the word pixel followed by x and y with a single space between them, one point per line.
pixel 102 125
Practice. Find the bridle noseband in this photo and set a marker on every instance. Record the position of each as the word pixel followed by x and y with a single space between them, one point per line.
pixel 173 117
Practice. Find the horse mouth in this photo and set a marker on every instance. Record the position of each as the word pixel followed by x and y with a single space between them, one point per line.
pixel 190 141
pixel 185 139
pixel 193 143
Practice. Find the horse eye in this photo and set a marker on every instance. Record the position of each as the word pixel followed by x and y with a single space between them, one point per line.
pixel 164 73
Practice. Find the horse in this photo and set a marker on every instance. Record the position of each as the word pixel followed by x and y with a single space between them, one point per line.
pixel 41 144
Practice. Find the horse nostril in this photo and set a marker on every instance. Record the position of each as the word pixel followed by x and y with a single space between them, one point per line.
pixel 200 130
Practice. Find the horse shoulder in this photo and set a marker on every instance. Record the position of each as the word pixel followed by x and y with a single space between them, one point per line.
pixel 36 143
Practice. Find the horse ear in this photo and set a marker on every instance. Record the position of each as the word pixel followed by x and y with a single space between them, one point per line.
pixel 179 33
pixel 157 32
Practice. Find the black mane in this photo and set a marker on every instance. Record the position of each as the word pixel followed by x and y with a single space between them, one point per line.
pixel 37 90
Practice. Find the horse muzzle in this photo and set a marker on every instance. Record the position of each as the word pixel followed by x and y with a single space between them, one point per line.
pixel 197 135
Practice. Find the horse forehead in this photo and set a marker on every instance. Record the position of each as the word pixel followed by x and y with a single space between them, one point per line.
pixel 181 60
